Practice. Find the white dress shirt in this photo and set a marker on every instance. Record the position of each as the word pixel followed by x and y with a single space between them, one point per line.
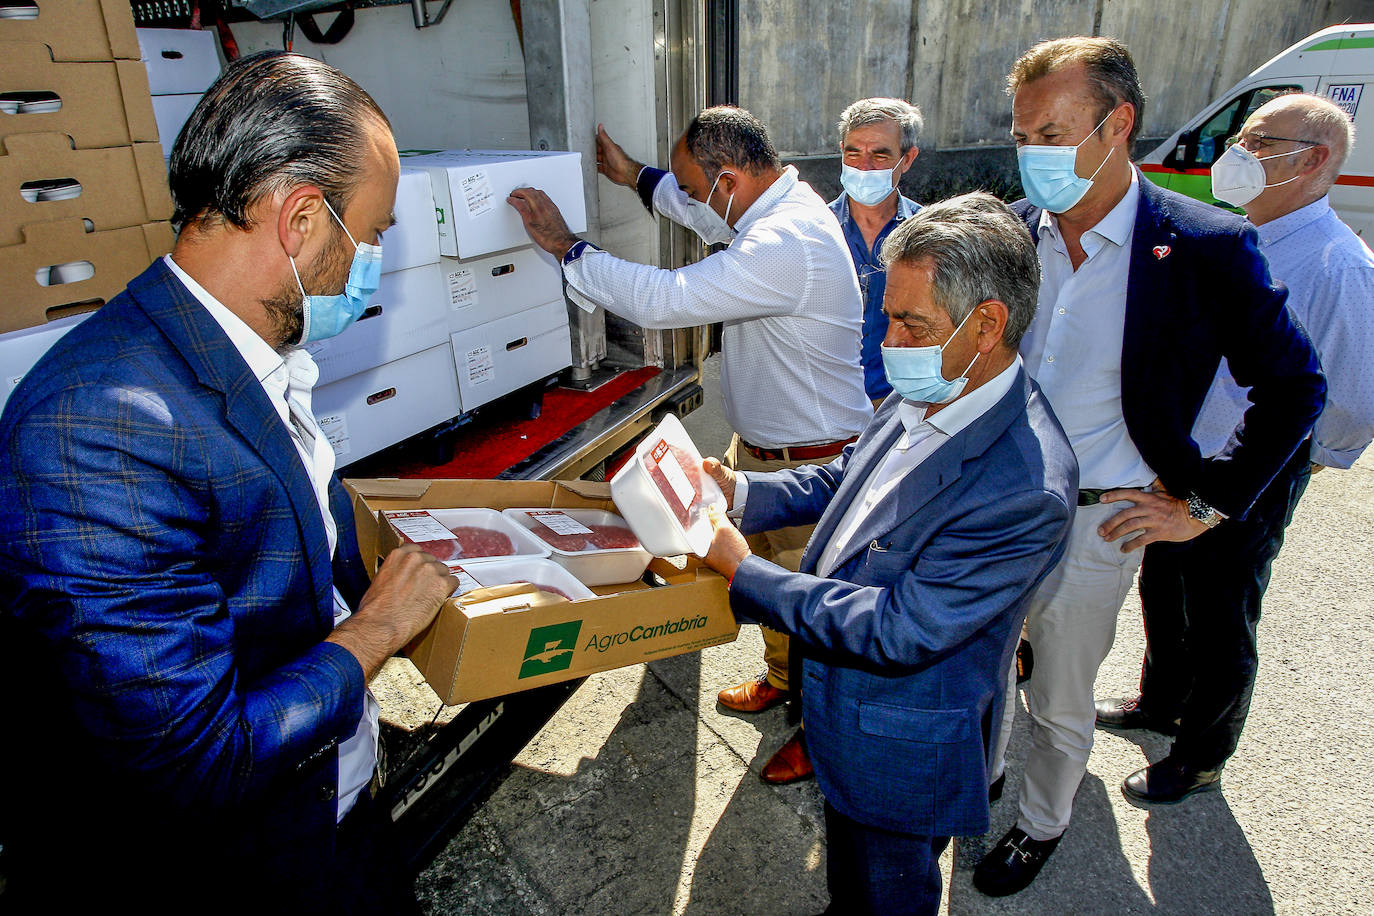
pixel 788 295
pixel 288 382
pixel 1329 272
pixel 1073 345
pixel 920 439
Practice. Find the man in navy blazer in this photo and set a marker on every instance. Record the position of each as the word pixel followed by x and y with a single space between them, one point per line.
pixel 1143 293
pixel 188 625
pixel 934 529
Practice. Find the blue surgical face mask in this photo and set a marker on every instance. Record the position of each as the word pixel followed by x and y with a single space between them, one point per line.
pixel 1048 176
pixel 867 187
pixel 713 228
pixel 327 316
pixel 915 372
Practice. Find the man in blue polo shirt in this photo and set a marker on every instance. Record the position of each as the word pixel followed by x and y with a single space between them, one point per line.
pixel 878 142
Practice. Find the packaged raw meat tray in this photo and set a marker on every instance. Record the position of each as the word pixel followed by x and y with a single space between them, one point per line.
pixel 543 574
pixel 664 494
pixel 594 545
pixel 455 535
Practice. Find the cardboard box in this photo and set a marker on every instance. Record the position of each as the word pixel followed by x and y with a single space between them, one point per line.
pixel 491 287
pixel 115 188
pixel 408 313
pixel 102 104
pixel 500 356
pixel 497 641
pixel 171 112
pixel 105 262
pixel 19 350
pixel 414 240
pixel 370 410
pixel 77 30
pixel 471 187
pixel 179 61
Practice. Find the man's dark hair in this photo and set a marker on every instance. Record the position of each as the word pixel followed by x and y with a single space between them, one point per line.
pixel 726 135
pixel 273 120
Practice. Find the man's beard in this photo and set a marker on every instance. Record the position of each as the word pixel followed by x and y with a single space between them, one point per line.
pixel 286 310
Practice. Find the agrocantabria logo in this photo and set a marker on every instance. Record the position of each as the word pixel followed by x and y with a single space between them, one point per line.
pixel 550 648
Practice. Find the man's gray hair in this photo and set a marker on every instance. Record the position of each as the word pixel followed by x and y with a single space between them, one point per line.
pixel 879 111
pixel 980 250
pixel 1326 123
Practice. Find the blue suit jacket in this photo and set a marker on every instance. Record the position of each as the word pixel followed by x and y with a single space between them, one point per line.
pixel 1199 291
pixel 909 640
pixel 166 570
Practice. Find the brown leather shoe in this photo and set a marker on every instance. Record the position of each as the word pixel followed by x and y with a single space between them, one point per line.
pixel 790 763
pixel 752 696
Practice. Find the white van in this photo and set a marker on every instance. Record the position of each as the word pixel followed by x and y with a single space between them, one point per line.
pixel 1337 63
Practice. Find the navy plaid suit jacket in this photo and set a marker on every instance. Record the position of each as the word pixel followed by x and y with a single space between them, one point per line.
pixel 166 576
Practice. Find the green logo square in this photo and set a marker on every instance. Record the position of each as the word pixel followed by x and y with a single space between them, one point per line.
pixel 550 648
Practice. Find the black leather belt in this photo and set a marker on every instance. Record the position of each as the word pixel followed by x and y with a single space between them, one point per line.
pixel 1093 497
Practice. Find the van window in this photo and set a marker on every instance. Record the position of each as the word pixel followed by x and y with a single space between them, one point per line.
pixel 1201 147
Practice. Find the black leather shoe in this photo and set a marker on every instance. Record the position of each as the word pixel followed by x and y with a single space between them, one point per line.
pixel 1126 713
pixel 1169 782
pixel 1013 863
pixel 995 790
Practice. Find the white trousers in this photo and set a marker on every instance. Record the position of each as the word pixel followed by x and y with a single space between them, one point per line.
pixel 1070 626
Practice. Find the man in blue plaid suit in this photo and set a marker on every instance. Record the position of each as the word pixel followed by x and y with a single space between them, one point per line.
pixel 189 629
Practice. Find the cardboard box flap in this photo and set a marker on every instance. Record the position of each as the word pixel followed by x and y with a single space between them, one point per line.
pixel 103 104
pixel 503 599
pixel 390 488
pixel 587 489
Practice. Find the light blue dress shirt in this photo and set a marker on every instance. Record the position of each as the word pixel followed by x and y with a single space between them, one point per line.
pixel 1329 272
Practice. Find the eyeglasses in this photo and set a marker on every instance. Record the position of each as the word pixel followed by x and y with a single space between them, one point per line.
pixel 1265 140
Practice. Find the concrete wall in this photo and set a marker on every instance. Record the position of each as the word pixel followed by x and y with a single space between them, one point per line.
pixel 803 61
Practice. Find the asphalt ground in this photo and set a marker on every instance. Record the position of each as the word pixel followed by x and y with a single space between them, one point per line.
pixel 642 795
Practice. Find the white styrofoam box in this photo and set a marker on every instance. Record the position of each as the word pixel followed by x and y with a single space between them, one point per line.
pixel 491 287
pixel 414 240
pixel 408 313
pixel 665 495
pixel 537 571
pixel 370 410
pixel 502 355
pixel 471 187
pixel 171 112
pixel 19 350
pixel 179 61
pixel 465 535
pixel 573 535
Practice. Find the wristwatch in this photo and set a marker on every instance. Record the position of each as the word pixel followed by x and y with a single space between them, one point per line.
pixel 1204 513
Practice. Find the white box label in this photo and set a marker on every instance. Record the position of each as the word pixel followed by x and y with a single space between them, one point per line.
pixel 465 581
pixel 462 288
pixel 480 367
pixel 677 479
pixel 477 194
pixel 560 522
pixel 419 526
pixel 335 429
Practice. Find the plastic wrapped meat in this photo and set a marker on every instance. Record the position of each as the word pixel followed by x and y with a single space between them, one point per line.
pixel 599 537
pixel 678 477
pixel 457 543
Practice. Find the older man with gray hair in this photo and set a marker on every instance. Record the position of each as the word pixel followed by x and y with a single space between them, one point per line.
pixel 1201 598
pixel 932 532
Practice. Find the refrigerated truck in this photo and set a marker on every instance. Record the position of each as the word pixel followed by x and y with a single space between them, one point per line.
pixel 1336 63
pixel 531 75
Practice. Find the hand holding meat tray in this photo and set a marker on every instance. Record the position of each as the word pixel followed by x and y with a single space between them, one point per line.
pixel 664 494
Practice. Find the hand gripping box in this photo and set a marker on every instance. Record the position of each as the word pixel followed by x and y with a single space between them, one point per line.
pixel 96 104
pixel 74 30
pixel 61 269
pixel 471 187
pixel 43 179
pixel 496 641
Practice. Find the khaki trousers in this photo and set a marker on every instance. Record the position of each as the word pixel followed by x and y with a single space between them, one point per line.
pixel 783 546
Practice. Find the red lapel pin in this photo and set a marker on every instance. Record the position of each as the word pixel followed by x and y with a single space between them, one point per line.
pixel 1161 251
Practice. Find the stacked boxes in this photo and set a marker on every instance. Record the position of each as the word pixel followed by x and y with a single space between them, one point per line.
pixel 83 195
pixel 508 323
pixel 181 65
